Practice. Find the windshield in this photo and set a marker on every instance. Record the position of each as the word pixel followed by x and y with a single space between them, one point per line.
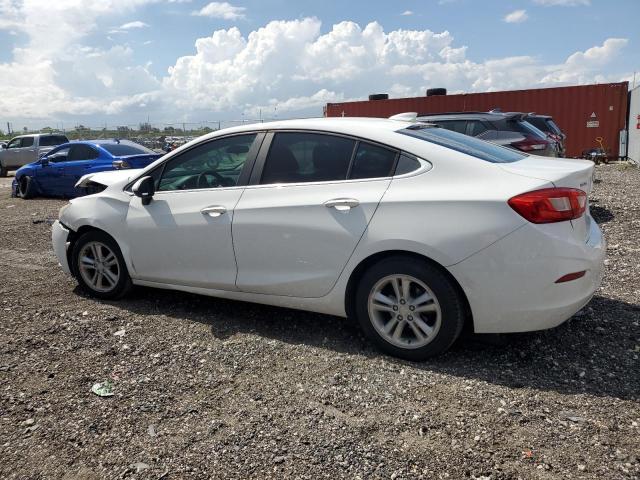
pixel 527 128
pixel 486 151
pixel 121 149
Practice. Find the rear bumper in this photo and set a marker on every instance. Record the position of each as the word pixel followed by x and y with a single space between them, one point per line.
pixel 511 284
pixel 59 235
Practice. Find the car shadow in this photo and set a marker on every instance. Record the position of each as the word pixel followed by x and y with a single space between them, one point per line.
pixel 566 359
pixel 600 214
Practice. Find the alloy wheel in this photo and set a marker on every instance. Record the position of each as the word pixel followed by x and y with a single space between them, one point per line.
pixel 404 311
pixel 98 266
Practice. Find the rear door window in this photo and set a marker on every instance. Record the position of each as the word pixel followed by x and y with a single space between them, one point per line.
pixel 406 164
pixel 372 161
pixel 296 157
pixel 82 152
pixel 26 142
pixel 52 140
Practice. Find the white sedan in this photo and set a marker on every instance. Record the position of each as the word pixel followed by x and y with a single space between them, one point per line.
pixel 412 229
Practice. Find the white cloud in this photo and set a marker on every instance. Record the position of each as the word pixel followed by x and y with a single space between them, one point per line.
pixel 291 65
pixel 222 10
pixel 563 3
pixel 406 13
pixel 517 16
pixel 284 68
pixel 130 25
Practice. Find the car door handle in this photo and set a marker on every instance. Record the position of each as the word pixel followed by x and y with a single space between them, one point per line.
pixel 214 211
pixel 342 204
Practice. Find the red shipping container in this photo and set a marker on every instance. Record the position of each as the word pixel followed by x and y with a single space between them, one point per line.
pixel 590 115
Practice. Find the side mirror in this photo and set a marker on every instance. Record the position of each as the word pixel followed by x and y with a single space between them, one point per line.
pixel 3 146
pixel 44 162
pixel 145 189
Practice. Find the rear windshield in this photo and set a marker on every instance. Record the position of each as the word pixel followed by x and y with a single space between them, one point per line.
pixel 53 140
pixel 554 127
pixel 525 127
pixel 121 149
pixel 486 151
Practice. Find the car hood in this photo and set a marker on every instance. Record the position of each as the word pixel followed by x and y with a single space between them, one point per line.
pixel 27 166
pixel 107 178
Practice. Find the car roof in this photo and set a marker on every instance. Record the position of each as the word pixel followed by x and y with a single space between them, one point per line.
pixel 356 126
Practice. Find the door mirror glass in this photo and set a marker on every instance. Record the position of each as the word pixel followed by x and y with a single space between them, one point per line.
pixel 145 189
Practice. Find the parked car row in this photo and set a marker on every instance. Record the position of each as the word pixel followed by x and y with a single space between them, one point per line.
pixel 527 132
pixel 58 170
pixel 415 230
pixel 27 149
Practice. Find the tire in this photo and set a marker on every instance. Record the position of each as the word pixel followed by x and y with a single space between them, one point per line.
pixel 26 188
pixel 3 171
pixel 428 289
pixel 108 281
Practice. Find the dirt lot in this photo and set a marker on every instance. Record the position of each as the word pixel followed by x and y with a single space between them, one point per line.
pixel 206 388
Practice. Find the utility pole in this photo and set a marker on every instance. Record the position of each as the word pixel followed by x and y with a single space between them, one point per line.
pixel 8 128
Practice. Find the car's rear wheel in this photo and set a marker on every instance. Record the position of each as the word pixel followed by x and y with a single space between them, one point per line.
pixel 26 188
pixel 409 309
pixel 99 267
pixel 3 171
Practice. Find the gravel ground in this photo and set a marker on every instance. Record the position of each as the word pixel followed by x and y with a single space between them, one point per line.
pixel 206 388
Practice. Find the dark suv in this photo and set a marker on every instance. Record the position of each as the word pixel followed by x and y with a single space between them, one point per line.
pixel 548 126
pixel 506 129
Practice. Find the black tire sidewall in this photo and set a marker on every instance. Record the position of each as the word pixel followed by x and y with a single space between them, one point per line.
pixel 26 191
pixel 451 305
pixel 124 282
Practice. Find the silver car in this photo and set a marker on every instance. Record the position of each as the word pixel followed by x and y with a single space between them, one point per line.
pixel 27 149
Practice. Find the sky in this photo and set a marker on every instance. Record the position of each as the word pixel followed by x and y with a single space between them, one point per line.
pixel 122 62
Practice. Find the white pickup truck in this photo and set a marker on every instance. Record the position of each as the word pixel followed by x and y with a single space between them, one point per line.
pixel 26 149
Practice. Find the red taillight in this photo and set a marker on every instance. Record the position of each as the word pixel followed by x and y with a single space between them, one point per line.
pixel 550 205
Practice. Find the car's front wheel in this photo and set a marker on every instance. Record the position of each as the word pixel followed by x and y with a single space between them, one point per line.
pixel 26 187
pixel 99 266
pixel 409 308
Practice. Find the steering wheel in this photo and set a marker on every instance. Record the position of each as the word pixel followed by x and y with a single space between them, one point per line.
pixel 202 182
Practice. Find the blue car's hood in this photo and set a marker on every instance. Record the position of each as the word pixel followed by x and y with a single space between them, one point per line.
pixel 27 167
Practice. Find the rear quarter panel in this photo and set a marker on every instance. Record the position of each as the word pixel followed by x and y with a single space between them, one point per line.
pixel 449 212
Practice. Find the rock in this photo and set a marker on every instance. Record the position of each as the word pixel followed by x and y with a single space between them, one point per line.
pixel 151 431
pixel 279 459
pixel 139 467
pixel 28 421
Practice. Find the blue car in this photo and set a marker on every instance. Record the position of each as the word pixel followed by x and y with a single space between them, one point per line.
pixel 56 173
